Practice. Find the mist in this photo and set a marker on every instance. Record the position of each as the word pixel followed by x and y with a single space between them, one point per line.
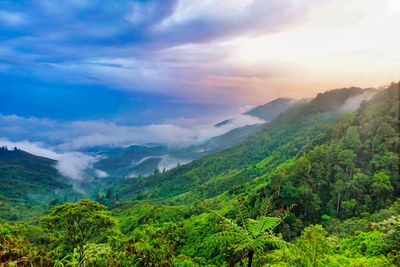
pixel 353 103
pixel 69 164
pixel 81 135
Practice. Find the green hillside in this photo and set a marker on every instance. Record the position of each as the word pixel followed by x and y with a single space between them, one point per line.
pixel 27 180
pixel 212 175
pixel 314 187
pixel 133 160
pixel 138 160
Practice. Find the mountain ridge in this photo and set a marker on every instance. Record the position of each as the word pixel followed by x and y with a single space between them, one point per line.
pixel 252 150
pixel 121 163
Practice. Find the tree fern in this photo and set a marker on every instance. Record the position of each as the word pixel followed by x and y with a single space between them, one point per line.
pixel 252 236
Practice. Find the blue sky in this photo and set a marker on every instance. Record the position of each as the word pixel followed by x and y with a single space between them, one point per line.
pixel 30 96
pixel 135 61
pixel 77 74
pixel 57 61
pixel 183 63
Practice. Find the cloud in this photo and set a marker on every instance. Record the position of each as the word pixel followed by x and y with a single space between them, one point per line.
pixel 162 46
pixel 79 135
pixel 69 164
pixel 168 162
pixel 61 140
pixel 100 173
pixel 224 52
pixel 353 103
pixel 201 21
pixel 73 164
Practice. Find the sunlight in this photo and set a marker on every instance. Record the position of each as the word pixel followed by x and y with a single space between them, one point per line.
pixel 359 30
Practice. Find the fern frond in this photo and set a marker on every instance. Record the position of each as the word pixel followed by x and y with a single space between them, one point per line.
pixel 229 223
pixel 250 245
pixel 266 208
pixel 227 237
pixel 273 240
pixel 263 224
pixel 243 216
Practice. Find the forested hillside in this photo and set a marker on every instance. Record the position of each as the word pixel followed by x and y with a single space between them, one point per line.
pixel 27 180
pixel 314 187
pixel 135 160
pixel 276 142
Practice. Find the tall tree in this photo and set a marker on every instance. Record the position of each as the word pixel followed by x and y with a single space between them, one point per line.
pixel 109 194
pixel 313 242
pixel 79 224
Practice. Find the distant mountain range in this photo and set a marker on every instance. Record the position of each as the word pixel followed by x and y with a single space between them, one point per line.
pixel 135 161
pixel 219 163
pixel 271 110
pixel 30 179
pixel 300 128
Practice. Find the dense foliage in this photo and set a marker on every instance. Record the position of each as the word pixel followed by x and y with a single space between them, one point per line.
pixel 331 181
pixel 27 182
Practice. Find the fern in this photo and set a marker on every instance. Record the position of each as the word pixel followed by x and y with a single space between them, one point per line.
pixel 253 235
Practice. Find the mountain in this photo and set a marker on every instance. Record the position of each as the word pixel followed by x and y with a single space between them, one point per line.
pixel 212 175
pixel 272 109
pixel 27 176
pixel 266 112
pixel 334 176
pixel 26 180
pixel 144 160
pixel 217 143
pixel 134 160
pixel 316 174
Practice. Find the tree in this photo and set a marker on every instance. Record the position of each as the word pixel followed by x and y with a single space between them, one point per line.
pixel 109 195
pixel 381 188
pixel 338 188
pixel 289 195
pixel 79 224
pixel 352 139
pixel 250 236
pixel 314 242
pixel 386 138
pixel 155 245
pixel 346 159
pixel 276 181
pixel 390 232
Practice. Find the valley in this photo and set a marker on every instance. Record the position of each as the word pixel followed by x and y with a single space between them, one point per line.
pixel 323 170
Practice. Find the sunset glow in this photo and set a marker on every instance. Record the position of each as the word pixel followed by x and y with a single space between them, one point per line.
pixel 157 60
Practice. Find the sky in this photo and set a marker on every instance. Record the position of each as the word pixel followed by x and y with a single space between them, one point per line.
pixel 140 71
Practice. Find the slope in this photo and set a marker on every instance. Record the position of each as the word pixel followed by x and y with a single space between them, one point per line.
pixel 26 179
pixel 138 160
pixel 212 175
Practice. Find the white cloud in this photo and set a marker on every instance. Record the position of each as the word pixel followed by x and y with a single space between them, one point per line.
pixel 167 162
pixel 60 140
pixel 69 164
pixel 100 173
pixel 207 131
pixel 354 102
pixel 188 10
pixel 73 164
pixel 71 136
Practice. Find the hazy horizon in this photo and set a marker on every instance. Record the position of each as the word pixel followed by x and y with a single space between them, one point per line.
pixel 81 74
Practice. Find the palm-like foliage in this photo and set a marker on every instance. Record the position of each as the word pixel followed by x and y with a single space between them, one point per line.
pixel 250 236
